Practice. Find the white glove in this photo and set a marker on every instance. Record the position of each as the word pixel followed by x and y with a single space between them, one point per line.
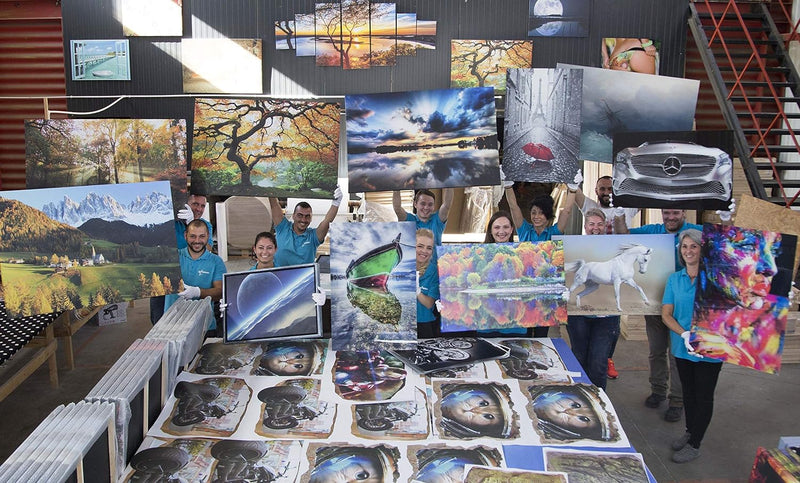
pixel 618 212
pixel 189 292
pixel 576 182
pixel 792 291
pixel 565 296
pixel 505 183
pixel 685 336
pixel 222 306
pixel 439 305
pixel 726 215
pixel 337 196
pixel 319 296
pixel 186 214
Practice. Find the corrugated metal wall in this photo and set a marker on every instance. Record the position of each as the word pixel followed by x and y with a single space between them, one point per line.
pixel 33 67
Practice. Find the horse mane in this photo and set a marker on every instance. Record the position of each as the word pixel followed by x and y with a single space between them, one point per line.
pixel 627 246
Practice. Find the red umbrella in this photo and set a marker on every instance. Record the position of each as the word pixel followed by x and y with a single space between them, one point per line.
pixel 538 151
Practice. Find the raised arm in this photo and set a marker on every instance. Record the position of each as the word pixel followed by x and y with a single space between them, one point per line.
pixel 566 212
pixel 398 207
pixel 276 209
pixel 447 203
pixel 620 223
pixel 513 207
pixel 325 224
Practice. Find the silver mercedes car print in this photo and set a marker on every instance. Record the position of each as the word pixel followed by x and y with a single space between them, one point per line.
pixel 673 171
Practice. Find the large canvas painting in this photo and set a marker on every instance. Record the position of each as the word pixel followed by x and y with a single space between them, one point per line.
pixel 691 170
pixel 220 66
pixel 373 284
pixel 752 212
pixel 152 18
pixel 542 128
pixel 86 246
pixel 265 147
pixel 645 103
pixel 483 63
pixel 631 54
pixel 617 274
pixel 271 304
pixel 423 139
pixel 501 285
pixel 100 60
pixel 559 18
pixel 741 300
pixel 328 27
pixel 76 152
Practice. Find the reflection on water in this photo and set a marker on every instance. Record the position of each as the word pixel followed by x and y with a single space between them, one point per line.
pixel 477 311
pixel 377 302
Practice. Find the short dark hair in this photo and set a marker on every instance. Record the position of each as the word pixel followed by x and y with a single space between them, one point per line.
pixel 544 203
pixel 424 192
pixel 268 235
pixel 604 177
pixel 303 205
pixel 196 223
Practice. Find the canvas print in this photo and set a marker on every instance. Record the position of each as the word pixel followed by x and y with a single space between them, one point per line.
pixel 406 34
pixel 328 462
pixel 401 420
pixel 434 355
pixel 373 284
pixel 216 358
pixel 647 103
pixel 483 63
pixel 265 147
pixel 202 459
pixel 631 54
pixel 437 462
pixel 589 467
pixel 559 18
pixel 293 409
pixel 355 45
pixel 76 152
pixel 501 285
pixel 426 34
pixel 383 34
pixel 468 410
pixel 220 66
pixel 617 274
pixel 752 212
pixel 368 375
pixel 741 300
pixel 576 413
pixel 152 18
pixel 86 246
pixel 328 31
pixel 273 303
pixel 485 474
pixel 691 170
pixel 304 34
pixel 291 358
pixel 100 60
pixel 284 35
pixel 212 406
pixel 423 139
pixel 531 359
pixel 542 126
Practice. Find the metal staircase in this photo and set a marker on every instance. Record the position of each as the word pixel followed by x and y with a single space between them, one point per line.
pixel 746 58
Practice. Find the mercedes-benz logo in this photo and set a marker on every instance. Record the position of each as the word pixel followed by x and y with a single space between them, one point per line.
pixel 671 166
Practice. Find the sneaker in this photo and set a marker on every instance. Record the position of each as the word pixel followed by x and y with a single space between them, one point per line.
pixel 673 414
pixel 654 400
pixel 679 443
pixel 686 454
pixel 612 371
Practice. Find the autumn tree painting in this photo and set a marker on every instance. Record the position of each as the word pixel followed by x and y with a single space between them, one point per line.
pixel 265 147
pixel 483 63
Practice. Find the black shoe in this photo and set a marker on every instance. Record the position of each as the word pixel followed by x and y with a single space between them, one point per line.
pixel 654 400
pixel 673 414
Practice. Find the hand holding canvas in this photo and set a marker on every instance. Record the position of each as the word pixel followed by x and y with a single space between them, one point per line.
pixel 186 215
pixel 189 292
pixel 685 336
pixel 319 296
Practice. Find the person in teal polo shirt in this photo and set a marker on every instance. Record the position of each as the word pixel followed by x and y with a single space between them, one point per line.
pixel 297 243
pixel 426 216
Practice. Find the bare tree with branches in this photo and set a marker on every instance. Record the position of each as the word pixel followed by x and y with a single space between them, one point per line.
pixel 476 57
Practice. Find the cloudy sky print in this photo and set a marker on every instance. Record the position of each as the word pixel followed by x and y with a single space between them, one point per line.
pixel 423 139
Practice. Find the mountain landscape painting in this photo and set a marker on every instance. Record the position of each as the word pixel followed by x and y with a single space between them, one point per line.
pixel 86 246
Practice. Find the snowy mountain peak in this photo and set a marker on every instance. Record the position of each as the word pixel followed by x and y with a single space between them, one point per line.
pixel 148 209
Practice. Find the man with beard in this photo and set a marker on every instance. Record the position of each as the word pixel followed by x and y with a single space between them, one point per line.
pixel 297 243
pixel 603 191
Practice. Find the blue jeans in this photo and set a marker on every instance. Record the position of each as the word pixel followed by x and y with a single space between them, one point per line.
pixel 591 339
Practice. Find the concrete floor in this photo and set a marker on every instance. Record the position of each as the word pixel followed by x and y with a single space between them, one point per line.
pixel 752 409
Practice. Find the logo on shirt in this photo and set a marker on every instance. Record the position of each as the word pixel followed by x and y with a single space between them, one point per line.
pixel 203 272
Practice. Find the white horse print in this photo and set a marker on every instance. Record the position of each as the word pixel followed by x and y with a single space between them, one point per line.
pixel 615 271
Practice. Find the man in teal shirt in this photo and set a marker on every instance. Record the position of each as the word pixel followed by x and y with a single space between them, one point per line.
pixel 297 243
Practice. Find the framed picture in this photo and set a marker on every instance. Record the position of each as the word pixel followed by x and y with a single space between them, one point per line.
pixel 100 60
pixel 271 304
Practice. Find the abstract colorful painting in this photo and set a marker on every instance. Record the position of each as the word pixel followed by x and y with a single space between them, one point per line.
pixel 502 285
pixel 265 147
pixel 741 299
pixel 638 265
pixel 77 152
pixel 752 212
pixel 559 18
pixel 271 304
pixel 542 127
pixel 647 103
pixel 86 246
pixel 423 139
pixel 483 63
pixel 367 376
pixel 373 284
pixel 152 18
pixel 221 66
pixel 688 170
pixel 631 54
pixel 100 60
